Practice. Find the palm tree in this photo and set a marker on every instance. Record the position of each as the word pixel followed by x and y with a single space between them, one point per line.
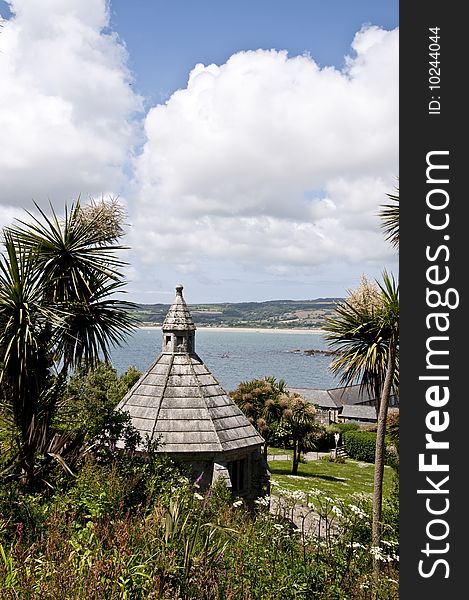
pixel 262 401
pixel 57 279
pixel 300 417
pixel 366 329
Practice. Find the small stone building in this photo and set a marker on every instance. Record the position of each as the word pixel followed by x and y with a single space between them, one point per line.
pixel 180 404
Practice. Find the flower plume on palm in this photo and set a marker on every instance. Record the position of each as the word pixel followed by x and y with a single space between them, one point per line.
pixel 57 282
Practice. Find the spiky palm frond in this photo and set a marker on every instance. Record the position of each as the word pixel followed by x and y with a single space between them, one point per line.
pixel 70 253
pixel 363 333
pixel 91 328
pixel 390 219
pixel 77 272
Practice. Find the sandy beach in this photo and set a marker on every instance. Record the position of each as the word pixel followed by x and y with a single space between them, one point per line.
pixel 246 329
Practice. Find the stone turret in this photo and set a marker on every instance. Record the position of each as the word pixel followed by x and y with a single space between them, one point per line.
pixel 180 404
pixel 178 327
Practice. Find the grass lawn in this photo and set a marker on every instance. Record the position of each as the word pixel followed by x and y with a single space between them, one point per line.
pixel 334 479
pixel 278 451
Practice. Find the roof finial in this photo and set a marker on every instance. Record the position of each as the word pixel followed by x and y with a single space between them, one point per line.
pixel 179 289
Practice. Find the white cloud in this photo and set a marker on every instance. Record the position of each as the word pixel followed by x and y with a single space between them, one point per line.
pixel 264 169
pixel 273 160
pixel 66 103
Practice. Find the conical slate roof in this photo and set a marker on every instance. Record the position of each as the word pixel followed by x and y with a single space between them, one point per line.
pixel 179 401
pixel 178 317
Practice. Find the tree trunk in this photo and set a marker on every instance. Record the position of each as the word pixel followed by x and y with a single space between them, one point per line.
pixel 379 457
pixel 296 458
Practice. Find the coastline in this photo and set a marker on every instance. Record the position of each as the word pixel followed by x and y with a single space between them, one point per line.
pixel 298 331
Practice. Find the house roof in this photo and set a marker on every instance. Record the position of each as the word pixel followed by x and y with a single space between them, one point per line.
pixel 178 400
pixel 321 398
pixel 358 412
pixel 351 394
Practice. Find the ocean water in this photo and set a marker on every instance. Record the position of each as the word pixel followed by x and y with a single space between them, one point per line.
pixel 235 356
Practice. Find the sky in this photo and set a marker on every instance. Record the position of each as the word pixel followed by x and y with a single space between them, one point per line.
pixel 251 144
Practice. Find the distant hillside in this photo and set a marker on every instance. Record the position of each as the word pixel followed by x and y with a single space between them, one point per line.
pixel 271 314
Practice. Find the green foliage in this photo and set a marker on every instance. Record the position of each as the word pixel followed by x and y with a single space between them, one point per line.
pixel 391 509
pixel 262 401
pixel 97 541
pixel 324 435
pixel 360 445
pixel 281 418
pixel 126 483
pixel 343 427
pixel 58 277
pixel 280 435
pixel 89 402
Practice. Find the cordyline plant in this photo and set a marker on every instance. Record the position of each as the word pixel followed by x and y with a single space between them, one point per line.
pixel 267 404
pixel 366 329
pixel 57 281
pixel 367 333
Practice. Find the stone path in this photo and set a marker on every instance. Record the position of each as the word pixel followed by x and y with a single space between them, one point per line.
pixel 300 517
pixel 308 456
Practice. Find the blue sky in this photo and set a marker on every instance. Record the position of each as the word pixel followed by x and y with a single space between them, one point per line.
pixel 166 39
pixel 251 143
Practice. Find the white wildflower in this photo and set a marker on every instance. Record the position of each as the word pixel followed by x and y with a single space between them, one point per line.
pixel 263 501
pixel 198 496
pixel 298 495
pixel 365 585
pixel 237 503
pixel 358 511
pixel 336 510
pixel 355 545
pixel 377 553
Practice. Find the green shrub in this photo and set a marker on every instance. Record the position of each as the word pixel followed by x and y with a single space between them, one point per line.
pixel 126 483
pixel 343 427
pixel 326 440
pixel 360 445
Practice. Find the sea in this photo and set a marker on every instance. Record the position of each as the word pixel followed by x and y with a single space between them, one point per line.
pixel 236 355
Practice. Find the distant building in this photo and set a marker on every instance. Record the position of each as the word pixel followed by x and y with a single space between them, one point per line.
pixel 326 407
pixel 353 394
pixel 179 403
pixel 357 413
pixel 343 404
